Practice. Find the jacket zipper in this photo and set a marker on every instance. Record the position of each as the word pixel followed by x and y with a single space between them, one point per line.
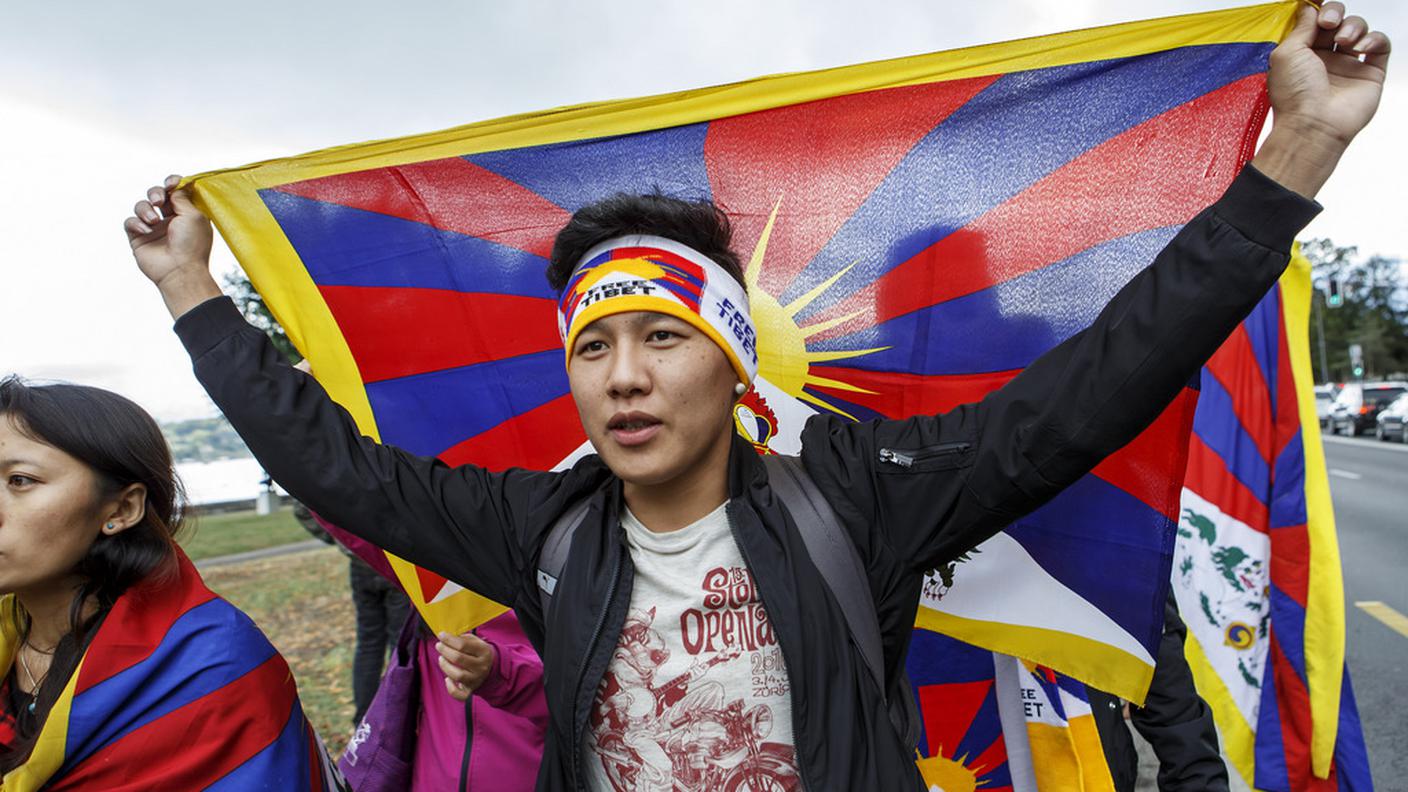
pixel 910 457
pixel 468 744
pixel 786 660
pixel 577 722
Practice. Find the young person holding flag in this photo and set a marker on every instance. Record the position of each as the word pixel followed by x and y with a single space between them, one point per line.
pixel 688 608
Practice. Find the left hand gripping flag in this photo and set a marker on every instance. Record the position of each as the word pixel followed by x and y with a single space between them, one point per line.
pixel 916 232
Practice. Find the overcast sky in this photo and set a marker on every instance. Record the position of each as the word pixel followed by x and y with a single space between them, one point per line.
pixel 99 99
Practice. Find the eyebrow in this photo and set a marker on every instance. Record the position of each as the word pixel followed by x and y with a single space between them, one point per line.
pixel 5 463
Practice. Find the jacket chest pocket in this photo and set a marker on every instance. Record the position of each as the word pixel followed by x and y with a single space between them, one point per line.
pixel 941 456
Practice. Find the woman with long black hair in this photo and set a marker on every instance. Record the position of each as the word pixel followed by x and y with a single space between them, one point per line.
pixel 122 670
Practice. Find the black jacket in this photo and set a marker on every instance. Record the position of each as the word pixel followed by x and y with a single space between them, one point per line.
pixel 976 468
pixel 1174 719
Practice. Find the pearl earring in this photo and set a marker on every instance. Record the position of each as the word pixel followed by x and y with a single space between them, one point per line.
pixel 740 389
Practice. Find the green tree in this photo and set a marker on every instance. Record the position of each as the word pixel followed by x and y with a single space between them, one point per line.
pixel 1374 313
pixel 203 440
pixel 251 304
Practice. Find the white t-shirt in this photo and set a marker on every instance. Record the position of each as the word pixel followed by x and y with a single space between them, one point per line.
pixel 696 693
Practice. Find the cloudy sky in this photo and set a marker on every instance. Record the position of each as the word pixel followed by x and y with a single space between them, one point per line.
pixel 100 99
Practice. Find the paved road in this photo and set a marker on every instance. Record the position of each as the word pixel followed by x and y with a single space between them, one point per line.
pixel 1369 482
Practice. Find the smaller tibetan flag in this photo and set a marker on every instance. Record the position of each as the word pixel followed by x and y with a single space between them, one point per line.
pixel 998 724
pixel 1257 569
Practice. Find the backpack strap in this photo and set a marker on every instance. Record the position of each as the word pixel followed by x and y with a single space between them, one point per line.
pixel 834 555
pixel 554 555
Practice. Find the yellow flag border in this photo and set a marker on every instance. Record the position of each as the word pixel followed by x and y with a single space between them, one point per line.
pixel 1122 674
pixel 1238 736
pixel 1324 607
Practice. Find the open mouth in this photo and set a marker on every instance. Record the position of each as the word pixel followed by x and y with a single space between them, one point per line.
pixel 633 428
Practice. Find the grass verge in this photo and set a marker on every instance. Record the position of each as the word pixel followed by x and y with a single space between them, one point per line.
pixel 303 603
pixel 237 532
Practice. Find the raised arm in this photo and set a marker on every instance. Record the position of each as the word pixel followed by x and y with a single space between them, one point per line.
pixel 940 485
pixel 464 523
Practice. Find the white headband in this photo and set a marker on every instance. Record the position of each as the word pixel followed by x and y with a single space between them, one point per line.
pixel 651 273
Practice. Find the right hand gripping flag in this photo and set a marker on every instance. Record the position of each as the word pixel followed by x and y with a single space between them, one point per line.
pixel 916 232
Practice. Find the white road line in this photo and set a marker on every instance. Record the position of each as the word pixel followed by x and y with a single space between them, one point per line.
pixel 1351 475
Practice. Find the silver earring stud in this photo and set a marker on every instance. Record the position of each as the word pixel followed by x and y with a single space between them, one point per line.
pixel 740 389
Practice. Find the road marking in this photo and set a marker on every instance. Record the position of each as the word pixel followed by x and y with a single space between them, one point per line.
pixel 1369 442
pixel 1391 618
pixel 1345 474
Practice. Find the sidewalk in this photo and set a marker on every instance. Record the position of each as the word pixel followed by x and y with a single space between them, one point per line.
pixel 263 552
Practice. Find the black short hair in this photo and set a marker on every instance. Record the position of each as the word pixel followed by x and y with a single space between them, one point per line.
pixel 700 224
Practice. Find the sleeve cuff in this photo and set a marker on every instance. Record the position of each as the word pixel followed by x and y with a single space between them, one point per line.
pixel 1264 211
pixel 206 325
pixel 492 688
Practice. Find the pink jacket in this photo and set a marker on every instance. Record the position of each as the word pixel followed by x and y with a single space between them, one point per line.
pixel 508 714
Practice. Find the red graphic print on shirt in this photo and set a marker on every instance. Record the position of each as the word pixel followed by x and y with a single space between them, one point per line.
pixel 706 727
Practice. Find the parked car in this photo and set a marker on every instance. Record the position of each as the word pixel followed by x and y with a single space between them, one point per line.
pixel 1391 421
pixel 1325 402
pixel 1357 408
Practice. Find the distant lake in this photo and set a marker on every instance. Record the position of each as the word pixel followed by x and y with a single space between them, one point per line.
pixel 217 482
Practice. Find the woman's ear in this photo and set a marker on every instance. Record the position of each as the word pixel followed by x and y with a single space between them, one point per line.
pixel 127 510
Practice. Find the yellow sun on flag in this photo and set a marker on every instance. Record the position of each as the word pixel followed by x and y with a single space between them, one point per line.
pixel 942 774
pixel 783 358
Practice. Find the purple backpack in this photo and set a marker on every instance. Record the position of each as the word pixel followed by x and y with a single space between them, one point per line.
pixel 379 755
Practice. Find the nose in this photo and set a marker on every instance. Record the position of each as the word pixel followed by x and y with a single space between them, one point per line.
pixel 629 374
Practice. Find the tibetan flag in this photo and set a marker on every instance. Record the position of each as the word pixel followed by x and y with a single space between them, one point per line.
pixel 177 690
pixel 916 232
pixel 998 724
pixel 1257 572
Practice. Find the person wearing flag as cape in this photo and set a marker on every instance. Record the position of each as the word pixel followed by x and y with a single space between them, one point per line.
pixel 690 641
pixel 122 671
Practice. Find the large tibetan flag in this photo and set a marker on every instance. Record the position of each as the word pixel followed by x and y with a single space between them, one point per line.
pixel 916 232
pixel 1258 570
pixel 177 690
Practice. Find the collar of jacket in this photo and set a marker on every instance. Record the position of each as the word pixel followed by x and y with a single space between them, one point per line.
pixel 746 474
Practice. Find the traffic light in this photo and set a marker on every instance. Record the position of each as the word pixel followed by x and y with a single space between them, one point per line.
pixel 1333 297
pixel 1359 371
